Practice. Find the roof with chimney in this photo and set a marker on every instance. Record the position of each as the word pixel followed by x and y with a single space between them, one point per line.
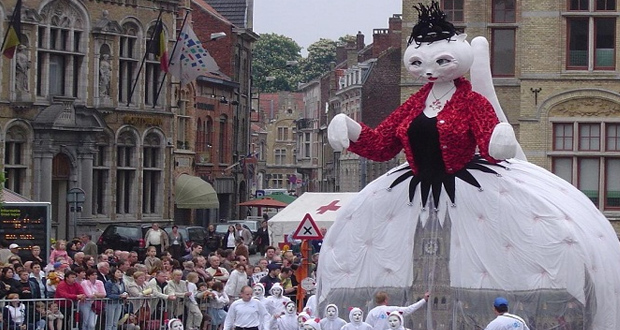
pixel 234 10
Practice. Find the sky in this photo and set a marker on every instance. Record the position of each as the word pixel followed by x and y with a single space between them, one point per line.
pixel 307 21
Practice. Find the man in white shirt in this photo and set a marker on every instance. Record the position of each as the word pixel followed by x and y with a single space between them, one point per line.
pixel 377 317
pixel 156 237
pixel 505 320
pixel 247 313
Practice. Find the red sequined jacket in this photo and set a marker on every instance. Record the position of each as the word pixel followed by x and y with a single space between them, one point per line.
pixel 466 121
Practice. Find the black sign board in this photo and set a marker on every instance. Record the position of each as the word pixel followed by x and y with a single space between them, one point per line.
pixel 26 224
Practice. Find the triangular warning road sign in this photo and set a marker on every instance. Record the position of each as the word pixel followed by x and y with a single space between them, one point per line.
pixel 307 229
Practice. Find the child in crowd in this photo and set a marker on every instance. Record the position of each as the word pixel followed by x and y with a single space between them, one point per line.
pixel 150 259
pixel 60 251
pixel 216 305
pixel 194 316
pixel 54 317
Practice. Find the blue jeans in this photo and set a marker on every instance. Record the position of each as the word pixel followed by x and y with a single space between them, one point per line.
pixel 113 311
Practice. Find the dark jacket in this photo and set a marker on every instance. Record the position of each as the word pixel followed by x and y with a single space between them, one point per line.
pixel 36 289
pixel 213 241
pixel 113 291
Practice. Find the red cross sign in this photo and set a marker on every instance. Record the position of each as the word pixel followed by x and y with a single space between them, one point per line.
pixel 329 207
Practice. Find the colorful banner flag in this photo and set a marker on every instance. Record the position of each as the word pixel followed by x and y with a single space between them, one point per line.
pixel 12 38
pixel 190 60
pixel 158 46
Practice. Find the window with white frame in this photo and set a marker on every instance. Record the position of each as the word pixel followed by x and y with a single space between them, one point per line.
pixel 591 35
pixel 280 156
pixel 151 174
pixel 15 159
pixel 282 133
pixel 101 175
pixel 587 154
pixel 60 56
pixel 307 144
pixel 128 62
pixel 125 173
pixel 277 181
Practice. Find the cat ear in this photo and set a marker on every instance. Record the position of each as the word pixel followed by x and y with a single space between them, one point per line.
pixel 461 37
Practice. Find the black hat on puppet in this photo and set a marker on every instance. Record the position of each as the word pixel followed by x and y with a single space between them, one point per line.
pixel 432 25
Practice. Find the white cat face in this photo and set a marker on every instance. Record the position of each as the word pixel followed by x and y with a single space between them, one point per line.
pixel 258 291
pixel 394 322
pixel 331 312
pixel 440 61
pixel 290 308
pixel 276 291
pixel 356 316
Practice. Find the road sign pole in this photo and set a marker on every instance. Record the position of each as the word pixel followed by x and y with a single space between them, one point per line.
pixel 303 272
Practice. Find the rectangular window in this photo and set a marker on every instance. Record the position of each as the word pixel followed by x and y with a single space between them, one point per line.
pixel 280 156
pixel 589 137
pixel 563 167
pixel 612 183
pixel 127 64
pixel 605 5
pixel 100 183
pixel 578 5
pixel 588 169
pixel 504 11
pixel 282 133
pixel 604 43
pixel 612 137
pixel 307 145
pixel 454 10
pixel 562 136
pixel 124 191
pixel 578 43
pixel 503 52
pixel 150 186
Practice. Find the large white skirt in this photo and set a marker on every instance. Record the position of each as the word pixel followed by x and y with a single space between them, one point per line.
pixel 526 234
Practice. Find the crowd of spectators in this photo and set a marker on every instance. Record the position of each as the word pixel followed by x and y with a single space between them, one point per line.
pixel 113 287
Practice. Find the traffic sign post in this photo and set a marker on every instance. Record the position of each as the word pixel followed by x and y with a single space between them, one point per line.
pixel 306 231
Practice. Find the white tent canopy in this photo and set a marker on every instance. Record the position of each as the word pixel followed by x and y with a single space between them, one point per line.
pixel 322 207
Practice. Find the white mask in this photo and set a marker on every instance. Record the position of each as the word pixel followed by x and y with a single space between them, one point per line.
pixel 276 291
pixel 331 312
pixel 257 291
pixel 394 322
pixel 357 316
pixel 290 308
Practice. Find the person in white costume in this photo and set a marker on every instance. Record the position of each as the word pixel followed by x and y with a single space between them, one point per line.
pixel 331 321
pixel 356 317
pixel 505 320
pixel 301 319
pixel 395 321
pixel 288 319
pixel 463 210
pixel 276 301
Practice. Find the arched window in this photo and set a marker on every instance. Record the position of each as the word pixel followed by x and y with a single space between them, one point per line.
pixel 128 62
pixel 151 174
pixel 125 172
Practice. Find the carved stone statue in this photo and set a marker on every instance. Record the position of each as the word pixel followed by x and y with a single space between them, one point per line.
pixel 105 73
pixel 22 65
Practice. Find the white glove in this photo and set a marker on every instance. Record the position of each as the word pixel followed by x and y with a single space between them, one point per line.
pixel 503 143
pixel 341 130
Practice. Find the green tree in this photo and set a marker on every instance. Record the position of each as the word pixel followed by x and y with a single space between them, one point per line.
pixel 271 65
pixel 320 56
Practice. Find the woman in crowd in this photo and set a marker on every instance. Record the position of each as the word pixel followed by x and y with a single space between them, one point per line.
pixel 139 289
pixel 237 280
pixel 229 238
pixel 89 309
pixel 116 293
pixel 8 284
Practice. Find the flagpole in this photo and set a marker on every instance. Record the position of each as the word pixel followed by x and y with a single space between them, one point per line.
pixel 161 10
pixel 174 48
pixel 6 34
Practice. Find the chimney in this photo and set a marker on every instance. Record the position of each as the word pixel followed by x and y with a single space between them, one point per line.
pixel 360 40
pixel 341 54
pixel 351 54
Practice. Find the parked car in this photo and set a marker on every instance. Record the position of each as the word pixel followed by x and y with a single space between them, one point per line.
pixel 123 237
pixel 222 228
pixel 190 235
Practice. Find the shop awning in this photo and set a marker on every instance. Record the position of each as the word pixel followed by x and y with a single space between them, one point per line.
pixel 192 192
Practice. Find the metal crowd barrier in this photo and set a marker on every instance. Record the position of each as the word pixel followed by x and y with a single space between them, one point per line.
pixel 91 314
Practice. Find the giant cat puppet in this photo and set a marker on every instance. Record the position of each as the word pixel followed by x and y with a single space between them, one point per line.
pixel 501 225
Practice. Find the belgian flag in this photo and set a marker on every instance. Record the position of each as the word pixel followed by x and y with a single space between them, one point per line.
pixel 158 46
pixel 13 35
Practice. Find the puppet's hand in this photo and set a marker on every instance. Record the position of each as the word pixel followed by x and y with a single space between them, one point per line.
pixel 341 130
pixel 503 143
